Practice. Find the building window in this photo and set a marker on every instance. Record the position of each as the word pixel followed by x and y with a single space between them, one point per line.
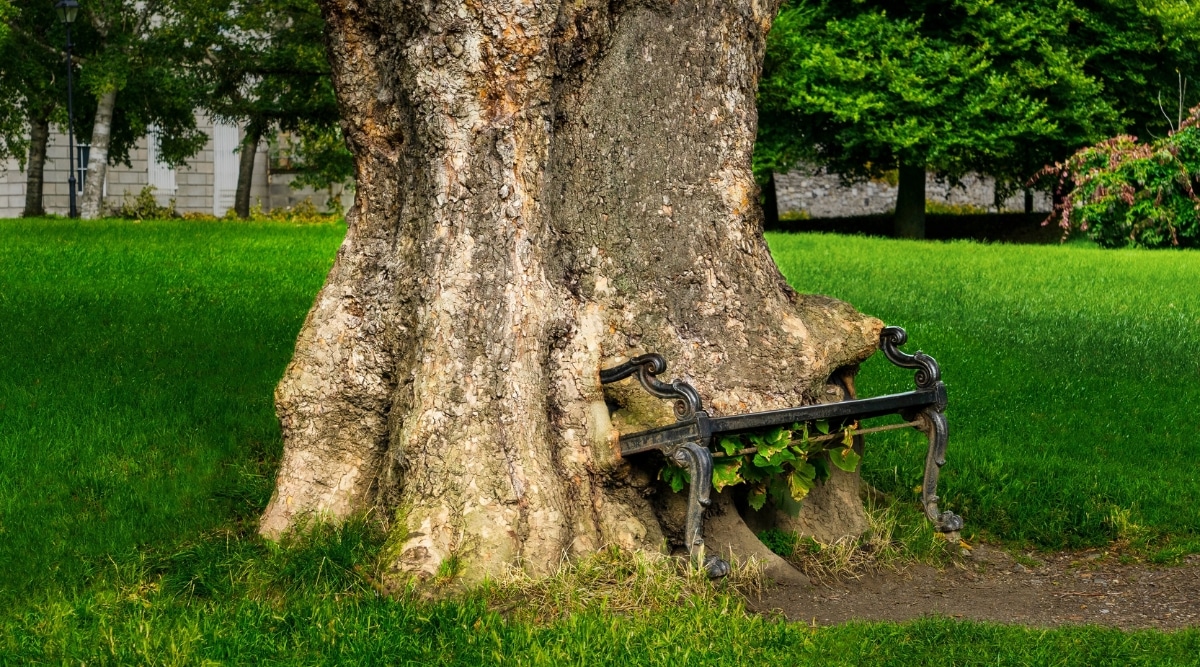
pixel 161 174
pixel 82 151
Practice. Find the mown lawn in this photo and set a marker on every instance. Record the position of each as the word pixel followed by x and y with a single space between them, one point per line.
pixel 1073 375
pixel 137 444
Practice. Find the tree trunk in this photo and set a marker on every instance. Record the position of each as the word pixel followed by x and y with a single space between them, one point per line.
pixel 35 169
pixel 1028 201
pixel 910 203
pixel 543 190
pixel 241 199
pixel 93 188
pixel 770 203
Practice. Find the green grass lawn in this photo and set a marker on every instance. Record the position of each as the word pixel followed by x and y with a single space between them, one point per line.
pixel 1073 375
pixel 137 363
pixel 138 441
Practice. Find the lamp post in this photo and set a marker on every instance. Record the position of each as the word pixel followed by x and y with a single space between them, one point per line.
pixel 67 9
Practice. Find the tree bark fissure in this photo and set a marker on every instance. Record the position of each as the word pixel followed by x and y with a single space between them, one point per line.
pixel 544 189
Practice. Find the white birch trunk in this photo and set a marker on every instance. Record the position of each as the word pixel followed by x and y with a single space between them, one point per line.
pixel 97 166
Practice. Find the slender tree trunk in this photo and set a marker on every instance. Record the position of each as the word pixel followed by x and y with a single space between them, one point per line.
pixel 770 204
pixel 97 167
pixel 35 169
pixel 910 202
pixel 241 200
pixel 544 189
pixel 1028 201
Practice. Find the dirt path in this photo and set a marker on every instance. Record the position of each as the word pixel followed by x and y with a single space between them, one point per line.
pixel 1064 589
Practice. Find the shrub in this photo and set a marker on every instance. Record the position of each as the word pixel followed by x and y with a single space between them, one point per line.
pixel 143 206
pixel 1122 192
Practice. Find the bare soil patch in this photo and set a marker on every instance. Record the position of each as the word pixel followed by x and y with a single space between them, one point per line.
pixel 990 585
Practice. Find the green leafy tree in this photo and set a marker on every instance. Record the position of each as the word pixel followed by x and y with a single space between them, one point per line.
pixel 32 89
pixel 954 86
pixel 268 70
pixel 141 66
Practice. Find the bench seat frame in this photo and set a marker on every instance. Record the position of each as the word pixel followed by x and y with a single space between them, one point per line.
pixel 690 440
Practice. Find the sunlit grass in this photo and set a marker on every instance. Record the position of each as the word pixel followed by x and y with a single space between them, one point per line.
pixel 138 441
pixel 1073 376
pixel 137 363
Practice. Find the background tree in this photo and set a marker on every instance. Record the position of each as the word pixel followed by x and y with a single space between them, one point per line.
pixel 543 189
pixel 955 86
pixel 268 70
pixel 139 67
pixel 32 90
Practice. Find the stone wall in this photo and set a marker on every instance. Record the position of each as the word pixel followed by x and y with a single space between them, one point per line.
pixel 812 192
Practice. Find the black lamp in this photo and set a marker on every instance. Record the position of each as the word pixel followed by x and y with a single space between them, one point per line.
pixel 67 9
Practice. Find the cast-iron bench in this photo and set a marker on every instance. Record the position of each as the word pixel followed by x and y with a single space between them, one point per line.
pixel 689 441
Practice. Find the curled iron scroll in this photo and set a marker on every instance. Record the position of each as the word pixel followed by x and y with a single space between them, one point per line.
pixel 928 374
pixel 646 367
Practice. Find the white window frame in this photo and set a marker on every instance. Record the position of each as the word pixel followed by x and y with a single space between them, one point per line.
pixel 159 174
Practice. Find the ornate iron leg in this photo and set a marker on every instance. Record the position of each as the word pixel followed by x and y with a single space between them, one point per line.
pixel 933 424
pixel 698 462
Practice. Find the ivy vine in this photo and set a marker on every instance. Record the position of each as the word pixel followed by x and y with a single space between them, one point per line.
pixel 781 465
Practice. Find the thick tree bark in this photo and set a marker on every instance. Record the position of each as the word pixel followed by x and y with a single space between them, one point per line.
pixel 93 189
pixel 241 198
pixel 910 202
pixel 770 204
pixel 35 167
pixel 544 189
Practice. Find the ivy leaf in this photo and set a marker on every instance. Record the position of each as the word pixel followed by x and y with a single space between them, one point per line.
pixel 674 476
pixel 823 426
pixel 751 473
pixel 757 497
pixel 725 473
pixel 763 462
pixel 800 483
pixel 778 437
pixel 730 445
pixel 845 458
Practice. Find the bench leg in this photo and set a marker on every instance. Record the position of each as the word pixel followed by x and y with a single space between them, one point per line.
pixel 697 460
pixel 933 424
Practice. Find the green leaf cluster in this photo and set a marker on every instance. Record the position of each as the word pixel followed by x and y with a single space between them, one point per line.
pixel 959 86
pixel 267 68
pixel 780 465
pixel 1123 192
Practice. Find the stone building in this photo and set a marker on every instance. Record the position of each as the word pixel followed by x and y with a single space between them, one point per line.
pixel 811 192
pixel 206 184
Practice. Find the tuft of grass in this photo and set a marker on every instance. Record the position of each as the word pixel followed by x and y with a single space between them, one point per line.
pixel 896 535
pixel 1072 376
pixel 617 581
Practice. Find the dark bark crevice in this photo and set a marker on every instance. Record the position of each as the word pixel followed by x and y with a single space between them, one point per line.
pixel 770 203
pixel 35 166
